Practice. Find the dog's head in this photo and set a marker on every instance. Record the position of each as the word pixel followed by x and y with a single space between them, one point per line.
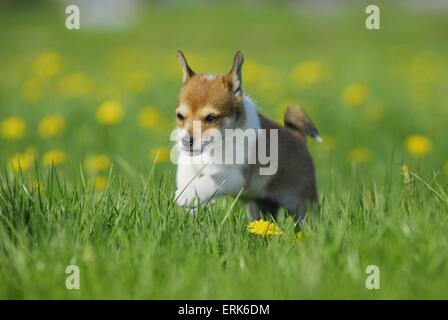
pixel 208 104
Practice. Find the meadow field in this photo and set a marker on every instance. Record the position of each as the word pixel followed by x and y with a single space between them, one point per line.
pixel 86 179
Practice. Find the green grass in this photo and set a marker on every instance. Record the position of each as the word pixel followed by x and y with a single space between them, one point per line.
pixel 131 241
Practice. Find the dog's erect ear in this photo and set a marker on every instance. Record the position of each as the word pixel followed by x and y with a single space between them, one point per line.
pixel 186 70
pixel 234 75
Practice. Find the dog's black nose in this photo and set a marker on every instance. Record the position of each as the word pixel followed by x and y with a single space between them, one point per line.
pixel 187 141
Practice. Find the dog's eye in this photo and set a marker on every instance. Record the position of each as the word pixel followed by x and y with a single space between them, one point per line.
pixel 211 118
pixel 180 117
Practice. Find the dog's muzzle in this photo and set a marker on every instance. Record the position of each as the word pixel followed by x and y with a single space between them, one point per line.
pixel 187 142
pixel 188 145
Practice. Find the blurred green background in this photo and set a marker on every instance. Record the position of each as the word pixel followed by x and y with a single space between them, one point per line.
pixel 103 97
pixel 108 90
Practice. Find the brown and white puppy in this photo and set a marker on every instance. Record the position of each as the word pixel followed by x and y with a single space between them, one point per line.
pixel 209 106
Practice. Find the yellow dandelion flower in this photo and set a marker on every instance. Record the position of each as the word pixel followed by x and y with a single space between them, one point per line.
pixel 13 128
pixel 47 64
pixel 263 78
pixel 76 85
pixel 51 126
pixel 101 182
pixel 109 112
pixel 417 145
pixel 307 73
pixel 32 90
pixel 159 154
pixel 264 228
pixel 22 161
pixel 53 157
pixel 97 163
pixel 149 117
pixel 445 169
pixel 137 81
pixel 253 71
pixel 359 155
pixel 405 173
pixel 354 95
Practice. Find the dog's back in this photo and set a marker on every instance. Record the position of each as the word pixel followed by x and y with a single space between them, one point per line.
pixel 294 184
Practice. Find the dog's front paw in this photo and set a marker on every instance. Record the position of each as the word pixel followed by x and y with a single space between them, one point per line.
pixel 186 197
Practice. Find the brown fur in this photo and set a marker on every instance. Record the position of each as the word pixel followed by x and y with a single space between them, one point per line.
pixel 295 175
pixel 299 123
pixel 199 92
pixel 294 184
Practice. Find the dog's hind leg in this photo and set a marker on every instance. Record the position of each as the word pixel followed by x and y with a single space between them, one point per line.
pixel 301 209
pixel 262 207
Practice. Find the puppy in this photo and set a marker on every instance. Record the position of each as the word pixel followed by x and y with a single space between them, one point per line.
pixel 211 105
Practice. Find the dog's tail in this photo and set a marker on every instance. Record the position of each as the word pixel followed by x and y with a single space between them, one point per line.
pixel 300 124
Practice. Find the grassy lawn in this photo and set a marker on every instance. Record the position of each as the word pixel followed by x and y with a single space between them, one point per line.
pixel 99 106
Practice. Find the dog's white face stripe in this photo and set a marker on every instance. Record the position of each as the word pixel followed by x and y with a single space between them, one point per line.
pixel 205 111
pixel 183 109
pixel 209 77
